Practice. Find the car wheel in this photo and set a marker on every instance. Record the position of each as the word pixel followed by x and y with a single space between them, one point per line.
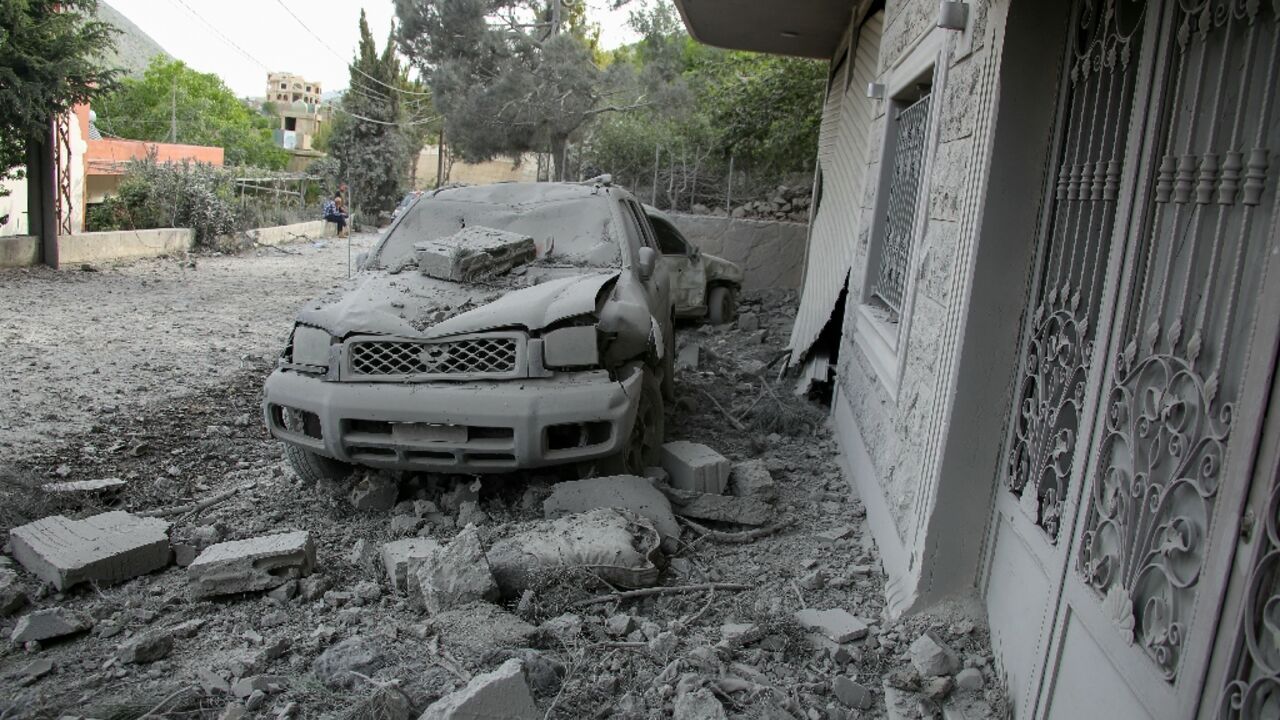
pixel 312 468
pixel 722 305
pixel 644 445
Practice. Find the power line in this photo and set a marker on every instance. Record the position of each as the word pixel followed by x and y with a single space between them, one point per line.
pixel 340 56
pixel 226 39
pixel 420 121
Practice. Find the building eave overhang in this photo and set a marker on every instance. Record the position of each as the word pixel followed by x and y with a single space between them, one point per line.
pixel 801 28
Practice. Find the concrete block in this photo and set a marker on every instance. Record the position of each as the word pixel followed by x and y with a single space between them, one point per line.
pixel 456 575
pixel 146 648
pixel 401 557
pixel 473 253
pixel 752 479
pixel 259 563
pixel 375 492
pixel 628 492
pixel 931 656
pixel 851 693
pixel 725 508
pixel 47 624
pixel 105 549
pixel 836 624
pixel 12 595
pixel 503 693
pixel 694 466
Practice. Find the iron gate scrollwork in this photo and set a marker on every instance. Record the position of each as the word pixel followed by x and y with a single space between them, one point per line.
pixel 908 164
pixel 1185 328
pixel 1075 245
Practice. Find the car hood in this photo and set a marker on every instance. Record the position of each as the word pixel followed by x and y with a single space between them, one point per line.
pixel 415 305
pixel 720 269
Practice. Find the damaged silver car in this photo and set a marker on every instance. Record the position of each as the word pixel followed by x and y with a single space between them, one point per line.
pixel 492 328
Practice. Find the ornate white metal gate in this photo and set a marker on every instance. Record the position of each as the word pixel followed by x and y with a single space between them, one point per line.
pixel 1146 359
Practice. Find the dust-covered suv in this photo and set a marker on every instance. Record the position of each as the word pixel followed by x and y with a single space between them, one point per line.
pixel 492 328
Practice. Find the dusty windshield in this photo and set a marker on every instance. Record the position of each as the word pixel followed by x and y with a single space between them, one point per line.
pixel 574 231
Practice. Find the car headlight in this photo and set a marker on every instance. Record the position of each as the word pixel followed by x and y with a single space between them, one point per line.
pixel 571 347
pixel 310 346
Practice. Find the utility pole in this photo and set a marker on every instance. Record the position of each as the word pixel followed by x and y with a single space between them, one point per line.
pixel 555 17
pixel 173 113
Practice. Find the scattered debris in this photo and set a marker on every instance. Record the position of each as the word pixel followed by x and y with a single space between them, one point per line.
pixel 104 549
pixel 12 594
pixel 101 486
pixel 837 625
pixel 337 667
pixel 146 648
pixel 752 479
pixel 259 563
pixel 48 624
pixel 503 693
pixel 694 466
pixel 401 557
pixel 724 508
pixel 473 253
pixel 375 492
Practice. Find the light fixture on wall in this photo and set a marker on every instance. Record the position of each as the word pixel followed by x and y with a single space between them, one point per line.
pixel 953 15
pixel 875 91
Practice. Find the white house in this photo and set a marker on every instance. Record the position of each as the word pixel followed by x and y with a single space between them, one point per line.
pixel 1047 235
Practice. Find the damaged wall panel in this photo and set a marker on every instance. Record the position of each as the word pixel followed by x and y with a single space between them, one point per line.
pixel 842 158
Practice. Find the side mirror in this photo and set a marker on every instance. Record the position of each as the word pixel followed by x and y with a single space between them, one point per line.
pixel 647 260
pixel 695 252
pixel 361 258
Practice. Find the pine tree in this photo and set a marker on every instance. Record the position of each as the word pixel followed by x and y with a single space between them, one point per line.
pixel 50 60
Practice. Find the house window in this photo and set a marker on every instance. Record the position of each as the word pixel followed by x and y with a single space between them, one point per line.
pixel 284 86
pixel 910 119
pixel 290 123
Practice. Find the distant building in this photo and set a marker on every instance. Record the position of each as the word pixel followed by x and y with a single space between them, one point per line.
pixel 297 105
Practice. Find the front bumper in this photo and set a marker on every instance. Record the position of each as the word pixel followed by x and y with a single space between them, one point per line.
pixel 473 427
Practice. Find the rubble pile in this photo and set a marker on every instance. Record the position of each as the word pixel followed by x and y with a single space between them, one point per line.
pixel 786 202
pixel 737 580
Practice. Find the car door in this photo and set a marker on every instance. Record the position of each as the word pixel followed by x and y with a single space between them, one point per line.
pixel 684 265
pixel 658 284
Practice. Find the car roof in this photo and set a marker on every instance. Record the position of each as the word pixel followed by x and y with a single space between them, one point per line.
pixel 521 193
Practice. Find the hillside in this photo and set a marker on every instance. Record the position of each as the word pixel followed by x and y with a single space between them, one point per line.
pixel 134 48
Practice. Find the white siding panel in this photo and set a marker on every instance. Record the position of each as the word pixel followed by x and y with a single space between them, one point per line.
pixel 842 157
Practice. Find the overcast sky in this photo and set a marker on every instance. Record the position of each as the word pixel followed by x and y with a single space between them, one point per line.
pixel 205 33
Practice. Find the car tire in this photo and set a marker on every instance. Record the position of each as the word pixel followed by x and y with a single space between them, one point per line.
pixel 644 445
pixel 313 469
pixel 722 305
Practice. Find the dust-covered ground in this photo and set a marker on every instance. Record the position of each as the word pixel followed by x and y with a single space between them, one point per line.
pixel 163 390
pixel 79 345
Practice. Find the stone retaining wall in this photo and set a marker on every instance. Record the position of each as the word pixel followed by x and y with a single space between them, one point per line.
pixel 770 252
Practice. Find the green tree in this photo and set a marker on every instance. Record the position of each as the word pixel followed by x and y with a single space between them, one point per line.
pixel 509 76
pixel 49 61
pixel 174 103
pixel 379 126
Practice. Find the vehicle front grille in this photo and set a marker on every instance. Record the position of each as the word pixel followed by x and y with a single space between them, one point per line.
pixel 487 356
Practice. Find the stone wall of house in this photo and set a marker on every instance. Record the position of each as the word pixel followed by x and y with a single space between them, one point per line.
pixel 901 430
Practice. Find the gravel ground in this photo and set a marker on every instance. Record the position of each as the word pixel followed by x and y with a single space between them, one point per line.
pixel 78 344
pixel 179 431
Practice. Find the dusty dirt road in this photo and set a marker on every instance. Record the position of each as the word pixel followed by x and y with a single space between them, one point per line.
pixel 76 344
pixel 152 373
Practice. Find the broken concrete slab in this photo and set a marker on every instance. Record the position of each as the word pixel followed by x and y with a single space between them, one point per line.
pixel 47 624
pixel 457 575
pixel 473 253
pixel 970 679
pixel 401 557
pixel 12 594
pixel 932 656
pixel 725 508
pixel 851 693
pixel 752 479
pixel 259 563
pixel 86 487
pixel 618 546
pixel 502 693
pixel 146 648
pixel 105 549
pixel 375 492
pixel 628 492
pixel 336 665
pixel 835 624
pixel 694 466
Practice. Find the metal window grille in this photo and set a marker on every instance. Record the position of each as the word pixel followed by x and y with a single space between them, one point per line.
pixel 908 160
